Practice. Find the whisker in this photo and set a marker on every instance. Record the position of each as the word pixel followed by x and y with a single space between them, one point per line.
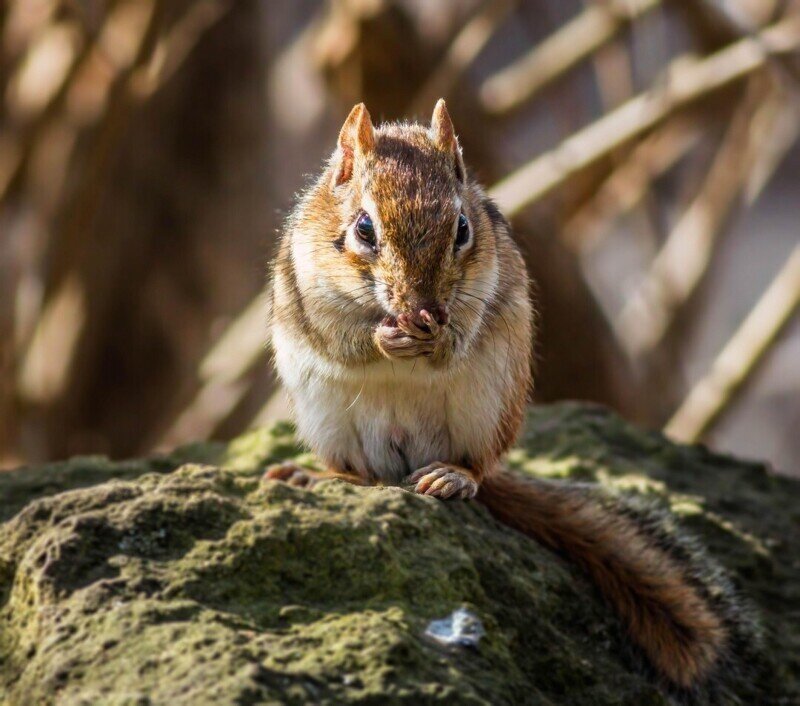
pixel 482 322
pixel 363 384
pixel 495 310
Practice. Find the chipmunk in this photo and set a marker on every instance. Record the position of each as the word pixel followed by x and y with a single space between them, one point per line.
pixel 402 328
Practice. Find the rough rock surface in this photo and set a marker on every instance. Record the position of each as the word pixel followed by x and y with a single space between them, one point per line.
pixel 185 580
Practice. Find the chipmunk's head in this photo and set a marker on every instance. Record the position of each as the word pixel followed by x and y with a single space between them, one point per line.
pixel 412 236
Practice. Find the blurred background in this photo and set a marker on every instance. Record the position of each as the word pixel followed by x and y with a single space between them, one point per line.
pixel 645 150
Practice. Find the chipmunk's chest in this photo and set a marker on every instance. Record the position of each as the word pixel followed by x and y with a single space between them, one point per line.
pixel 400 428
pixel 382 428
pixel 387 420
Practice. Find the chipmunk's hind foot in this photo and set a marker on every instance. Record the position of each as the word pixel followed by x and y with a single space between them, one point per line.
pixel 444 481
pixel 291 473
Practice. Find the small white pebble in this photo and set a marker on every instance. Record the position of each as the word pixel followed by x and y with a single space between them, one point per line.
pixel 461 628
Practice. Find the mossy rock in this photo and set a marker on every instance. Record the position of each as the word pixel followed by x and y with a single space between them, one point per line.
pixel 184 579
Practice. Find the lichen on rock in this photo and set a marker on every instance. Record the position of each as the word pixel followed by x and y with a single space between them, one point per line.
pixel 184 579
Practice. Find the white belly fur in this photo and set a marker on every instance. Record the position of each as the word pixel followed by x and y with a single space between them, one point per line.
pixel 387 419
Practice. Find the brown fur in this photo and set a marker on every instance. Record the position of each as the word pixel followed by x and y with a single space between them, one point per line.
pixel 414 173
pixel 665 614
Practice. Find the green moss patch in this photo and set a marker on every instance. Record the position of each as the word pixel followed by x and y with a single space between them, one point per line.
pixel 184 579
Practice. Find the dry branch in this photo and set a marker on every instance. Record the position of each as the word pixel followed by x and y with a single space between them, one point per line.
pixel 224 374
pixel 16 146
pixel 558 53
pixel 627 185
pixel 463 50
pixel 177 44
pixel 154 60
pixel 613 68
pixel 740 357
pixel 680 266
pixel 730 27
pixel 65 286
pixel 687 80
pixel 684 258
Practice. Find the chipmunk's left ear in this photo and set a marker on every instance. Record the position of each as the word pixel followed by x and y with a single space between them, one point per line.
pixel 444 137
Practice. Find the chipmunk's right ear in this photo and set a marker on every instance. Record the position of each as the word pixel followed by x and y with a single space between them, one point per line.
pixel 357 137
pixel 444 136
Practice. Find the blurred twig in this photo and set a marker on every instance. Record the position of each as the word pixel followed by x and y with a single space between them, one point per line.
pixel 558 53
pixel 728 27
pixel 628 183
pixel 157 55
pixel 20 143
pixel 613 67
pixel 65 287
pixel 686 81
pixel 741 355
pixel 224 375
pixel 463 50
pixel 684 259
pixel 177 43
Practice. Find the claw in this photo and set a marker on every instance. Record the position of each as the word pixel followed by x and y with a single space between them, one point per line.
pixel 442 481
pixel 444 490
pixel 427 480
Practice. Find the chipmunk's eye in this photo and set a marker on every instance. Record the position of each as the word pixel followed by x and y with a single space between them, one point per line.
pixel 365 229
pixel 462 232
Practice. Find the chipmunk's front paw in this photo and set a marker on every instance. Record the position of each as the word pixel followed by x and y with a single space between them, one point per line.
pixel 292 474
pixel 444 481
pixel 396 342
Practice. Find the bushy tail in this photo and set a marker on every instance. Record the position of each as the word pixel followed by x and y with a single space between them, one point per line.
pixel 665 612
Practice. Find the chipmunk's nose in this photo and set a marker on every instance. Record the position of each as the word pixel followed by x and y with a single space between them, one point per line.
pixel 435 310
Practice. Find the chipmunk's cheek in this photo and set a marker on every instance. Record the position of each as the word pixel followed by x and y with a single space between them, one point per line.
pixel 383 292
